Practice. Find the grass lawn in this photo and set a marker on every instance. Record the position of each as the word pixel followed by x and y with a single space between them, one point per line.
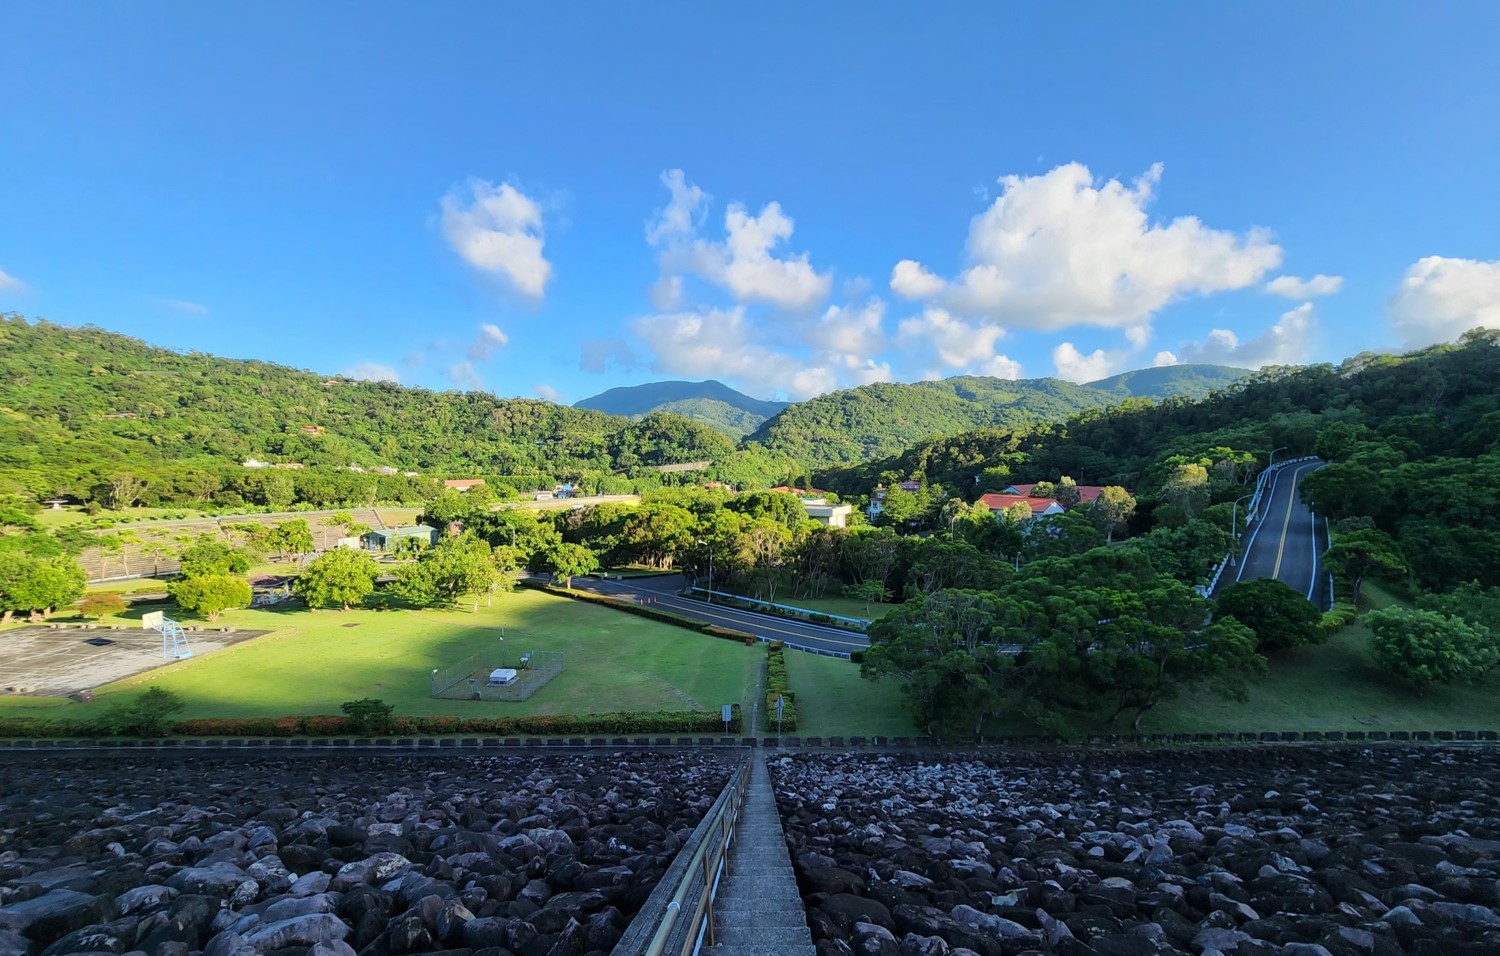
pixel 842 606
pixel 314 662
pixel 832 699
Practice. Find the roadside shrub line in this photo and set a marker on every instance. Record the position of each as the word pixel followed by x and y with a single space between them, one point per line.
pixel 778 685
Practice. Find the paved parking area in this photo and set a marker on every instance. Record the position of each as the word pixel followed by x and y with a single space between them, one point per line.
pixel 43 662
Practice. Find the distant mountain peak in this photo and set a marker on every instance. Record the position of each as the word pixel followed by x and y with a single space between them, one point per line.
pixel 710 402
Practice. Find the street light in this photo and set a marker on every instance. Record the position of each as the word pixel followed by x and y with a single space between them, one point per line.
pixel 1273 457
pixel 710 570
pixel 1234 524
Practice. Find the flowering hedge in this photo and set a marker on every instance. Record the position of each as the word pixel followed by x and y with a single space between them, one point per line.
pixel 777 683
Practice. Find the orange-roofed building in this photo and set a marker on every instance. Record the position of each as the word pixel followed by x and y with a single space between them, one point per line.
pixel 463 484
pixel 1040 507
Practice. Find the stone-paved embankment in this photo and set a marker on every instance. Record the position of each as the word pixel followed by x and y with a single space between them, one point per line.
pixel 1301 852
pixel 541 855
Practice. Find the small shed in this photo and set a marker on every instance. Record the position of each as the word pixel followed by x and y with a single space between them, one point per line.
pixel 386 539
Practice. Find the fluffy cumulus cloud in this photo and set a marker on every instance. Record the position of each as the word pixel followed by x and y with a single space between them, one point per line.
pixel 846 340
pixel 1439 299
pixel 1059 249
pixel 747 262
pixel 952 342
pixel 1288 342
pixel 545 391
pixel 487 341
pixel 1073 366
pixel 1293 287
pixel 9 283
pixel 498 231
pixel 723 343
pixel 1163 359
pixel 682 215
pixel 372 372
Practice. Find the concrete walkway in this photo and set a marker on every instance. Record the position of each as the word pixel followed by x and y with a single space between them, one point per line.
pixel 759 911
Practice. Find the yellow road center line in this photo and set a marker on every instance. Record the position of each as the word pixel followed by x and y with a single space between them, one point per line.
pixel 1291 500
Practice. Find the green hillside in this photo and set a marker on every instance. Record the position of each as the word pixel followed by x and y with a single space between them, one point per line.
pixel 80 405
pixel 878 420
pixel 634 401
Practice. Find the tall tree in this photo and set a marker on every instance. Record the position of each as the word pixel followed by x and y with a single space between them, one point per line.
pixel 567 561
pixel 210 594
pixel 1426 648
pixel 1279 616
pixel 1356 556
pixel 1112 508
pixel 342 576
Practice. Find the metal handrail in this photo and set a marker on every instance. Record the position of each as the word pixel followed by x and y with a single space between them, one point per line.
pixel 709 860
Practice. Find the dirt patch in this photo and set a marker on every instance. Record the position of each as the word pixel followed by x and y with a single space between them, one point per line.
pixel 44 662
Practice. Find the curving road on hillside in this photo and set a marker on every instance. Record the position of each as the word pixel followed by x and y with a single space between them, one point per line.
pixel 1286 539
pixel 661 591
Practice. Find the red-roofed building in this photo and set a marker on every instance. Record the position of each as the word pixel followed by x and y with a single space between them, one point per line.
pixel 1086 493
pixel 801 492
pixel 1040 507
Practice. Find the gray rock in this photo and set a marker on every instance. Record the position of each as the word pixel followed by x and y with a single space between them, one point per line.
pixel 55 913
pixel 1468 913
pixel 306 930
pixel 290 906
pixel 219 880
pixel 142 898
pixel 996 926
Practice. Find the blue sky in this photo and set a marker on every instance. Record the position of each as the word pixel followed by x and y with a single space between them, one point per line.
pixel 552 200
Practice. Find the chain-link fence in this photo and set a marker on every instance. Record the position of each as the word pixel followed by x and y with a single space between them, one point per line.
pixel 480 677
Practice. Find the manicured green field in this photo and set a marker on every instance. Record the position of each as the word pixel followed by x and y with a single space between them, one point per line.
pixel 842 606
pixel 314 662
pixel 833 699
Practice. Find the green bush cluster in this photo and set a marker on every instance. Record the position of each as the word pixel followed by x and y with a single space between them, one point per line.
pixel 659 722
pixel 1341 616
pixel 776 683
pixel 647 611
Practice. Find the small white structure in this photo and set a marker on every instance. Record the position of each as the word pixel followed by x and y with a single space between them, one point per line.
pixel 255 463
pixel 834 516
pixel 352 543
pixel 501 676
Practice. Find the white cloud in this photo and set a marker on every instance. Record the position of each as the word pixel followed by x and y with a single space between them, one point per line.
pixel 487 341
pixel 680 217
pixel 1057 250
pixel 1439 299
pixel 1001 366
pixel 600 355
pixel 545 391
pixel 465 376
pixel 371 372
pixel 910 280
pixel 1073 366
pixel 744 263
pixel 1288 342
pixel 666 294
pixel 499 232
pixel 9 283
pixel 721 343
pixel 1294 288
pixel 954 342
pixel 181 306
pixel 1163 359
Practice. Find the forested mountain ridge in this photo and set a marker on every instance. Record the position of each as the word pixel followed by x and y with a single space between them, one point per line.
pixel 874 421
pixel 76 403
pixel 635 401
pixel 1413 443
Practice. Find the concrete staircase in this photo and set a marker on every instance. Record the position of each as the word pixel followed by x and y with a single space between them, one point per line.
pixel 758 911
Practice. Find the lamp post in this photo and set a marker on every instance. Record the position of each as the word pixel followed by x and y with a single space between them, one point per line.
pixel 710 569
pixel 1234 524
pixel 1273 457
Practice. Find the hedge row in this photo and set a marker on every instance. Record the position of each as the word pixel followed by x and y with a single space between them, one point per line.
pixel 646 611
pixel 776 684
pixel 660 722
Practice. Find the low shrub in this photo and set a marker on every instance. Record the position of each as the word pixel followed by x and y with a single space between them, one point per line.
pixel 1341 616
pixel 777 685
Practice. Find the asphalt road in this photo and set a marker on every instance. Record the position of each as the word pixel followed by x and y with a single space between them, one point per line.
pixel 661 591
pixel 1287 538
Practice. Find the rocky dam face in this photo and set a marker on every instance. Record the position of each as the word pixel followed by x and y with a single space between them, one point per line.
pixel 1296 851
